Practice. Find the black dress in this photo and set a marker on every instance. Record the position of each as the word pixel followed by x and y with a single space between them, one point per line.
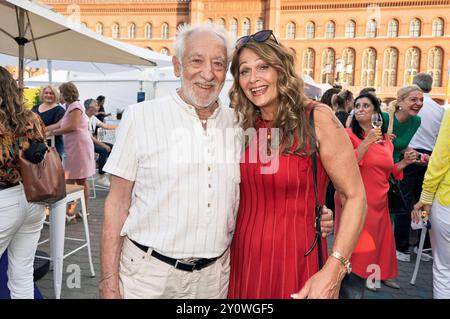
pixel 50 117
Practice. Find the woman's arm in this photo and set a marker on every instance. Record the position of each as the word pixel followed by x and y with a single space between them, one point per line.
pixel 107 126
pixel 53 127
pixel 338 158
pixel 74 118
pixel 439 164
pixel 371 138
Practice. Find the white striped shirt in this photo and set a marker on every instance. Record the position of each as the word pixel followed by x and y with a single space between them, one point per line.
pixel 186 191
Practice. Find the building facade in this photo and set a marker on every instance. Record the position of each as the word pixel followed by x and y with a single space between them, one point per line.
pixel 355 43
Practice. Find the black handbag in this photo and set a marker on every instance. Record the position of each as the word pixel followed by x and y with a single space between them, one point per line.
pixel 352 286
pixel 397 203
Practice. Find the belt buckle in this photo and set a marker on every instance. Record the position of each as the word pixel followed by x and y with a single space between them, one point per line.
pixel 185 263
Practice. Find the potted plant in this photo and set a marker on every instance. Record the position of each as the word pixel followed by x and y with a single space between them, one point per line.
pixel 119 113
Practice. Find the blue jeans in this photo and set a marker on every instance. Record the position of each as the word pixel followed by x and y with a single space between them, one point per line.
pixel 103 155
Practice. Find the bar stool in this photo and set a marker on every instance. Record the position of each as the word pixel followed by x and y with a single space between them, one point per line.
pixel 57 234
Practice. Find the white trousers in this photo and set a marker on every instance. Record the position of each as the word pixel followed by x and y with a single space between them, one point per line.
pixel 20 228
pixel 440 242
pixel 142 276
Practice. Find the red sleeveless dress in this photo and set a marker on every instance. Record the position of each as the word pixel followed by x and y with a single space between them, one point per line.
pixel 275 227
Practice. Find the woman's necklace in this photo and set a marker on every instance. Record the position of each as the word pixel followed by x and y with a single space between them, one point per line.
pixel 267 124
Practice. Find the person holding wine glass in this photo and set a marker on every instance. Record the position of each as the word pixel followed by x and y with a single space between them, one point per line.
pixel 376 244
pixel 377 122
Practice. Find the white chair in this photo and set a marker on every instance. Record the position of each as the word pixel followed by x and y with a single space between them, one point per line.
pixel 57 234
pixel 419 255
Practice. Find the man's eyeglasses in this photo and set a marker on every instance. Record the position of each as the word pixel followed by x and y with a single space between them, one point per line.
pixel 260 36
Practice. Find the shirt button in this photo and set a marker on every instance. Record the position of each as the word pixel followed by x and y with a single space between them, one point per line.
pixel 209 168
pixel 209 205
pixel 209 185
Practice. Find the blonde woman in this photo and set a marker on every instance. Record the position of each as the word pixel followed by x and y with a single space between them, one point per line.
pixel 51 112
pixel 405 124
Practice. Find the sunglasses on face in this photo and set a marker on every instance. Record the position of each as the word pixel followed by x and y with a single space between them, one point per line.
pixel 259 37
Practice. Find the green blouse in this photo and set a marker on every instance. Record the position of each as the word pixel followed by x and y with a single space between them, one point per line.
pixel 404 133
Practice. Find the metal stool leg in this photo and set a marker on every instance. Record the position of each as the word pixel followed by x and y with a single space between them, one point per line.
pixel 419 255
pixel 86 233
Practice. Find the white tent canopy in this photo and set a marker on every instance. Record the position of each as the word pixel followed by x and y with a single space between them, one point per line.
pixel 30 31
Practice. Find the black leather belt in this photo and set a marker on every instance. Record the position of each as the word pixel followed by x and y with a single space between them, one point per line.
pixel 194 264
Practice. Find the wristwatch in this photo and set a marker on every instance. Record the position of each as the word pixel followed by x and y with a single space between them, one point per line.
pixel 343 260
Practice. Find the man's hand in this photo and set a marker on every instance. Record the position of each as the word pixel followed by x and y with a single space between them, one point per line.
pixel 327 223
pixel 109 287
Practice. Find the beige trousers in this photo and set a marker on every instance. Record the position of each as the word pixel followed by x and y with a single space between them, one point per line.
pixel 142 276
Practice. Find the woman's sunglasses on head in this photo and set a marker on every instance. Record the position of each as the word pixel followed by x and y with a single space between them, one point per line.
pixel 260 36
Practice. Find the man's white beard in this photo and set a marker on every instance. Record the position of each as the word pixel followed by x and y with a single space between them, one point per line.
pixel 189 94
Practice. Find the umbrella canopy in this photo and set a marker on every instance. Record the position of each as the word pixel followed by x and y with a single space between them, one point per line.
pixel 30 31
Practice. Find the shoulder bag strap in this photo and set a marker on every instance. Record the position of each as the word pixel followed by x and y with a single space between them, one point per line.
pixel 318 209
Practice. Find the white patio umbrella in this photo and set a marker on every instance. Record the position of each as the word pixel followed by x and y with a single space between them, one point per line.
pixel 30 31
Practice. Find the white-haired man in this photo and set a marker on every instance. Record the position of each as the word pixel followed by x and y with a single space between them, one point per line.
pixel 171 210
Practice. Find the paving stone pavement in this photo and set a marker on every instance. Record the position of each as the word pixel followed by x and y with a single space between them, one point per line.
pixel 88 288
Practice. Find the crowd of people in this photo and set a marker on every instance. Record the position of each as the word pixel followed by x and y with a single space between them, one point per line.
pixel 211 201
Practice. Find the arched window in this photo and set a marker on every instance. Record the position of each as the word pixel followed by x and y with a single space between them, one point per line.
pixel 84 24
pixel 165 31
pixel 246 27
pixel 181 25
pixel 438 27
pixel 99 28
pixel 309 57
pixel 435 56
pixel 290 31
pixel 209 20
pixel 412 64
pixel 259 25
pixel 148 31
pixel 310 30
pixel 414 28
pixel 328 66
pixel 371 29
pixel 115 31
pixel 329 30
pixel 368 67
pixel 390 67
pixel 350 29
pixel 164 51
pixel 393 28
pixel 234 27
pixel 349 66
pixel 132 31
pixel 221 22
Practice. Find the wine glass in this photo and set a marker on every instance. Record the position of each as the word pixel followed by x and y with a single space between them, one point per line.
pixel 377 122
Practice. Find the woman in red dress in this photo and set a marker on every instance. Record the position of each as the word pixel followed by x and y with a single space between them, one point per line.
pixel 374 253
pixel 275 224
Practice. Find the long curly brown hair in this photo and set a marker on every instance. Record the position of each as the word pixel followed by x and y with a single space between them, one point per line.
pixel 290 116
pixel 14 117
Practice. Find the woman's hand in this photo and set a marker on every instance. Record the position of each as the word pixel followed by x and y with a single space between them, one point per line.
pixel 325 284
pixel 373 136
pixel 326 223
pixel 410 156
pixel 419 207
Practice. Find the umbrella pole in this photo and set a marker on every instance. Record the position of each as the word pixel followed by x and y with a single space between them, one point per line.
pixel 21 25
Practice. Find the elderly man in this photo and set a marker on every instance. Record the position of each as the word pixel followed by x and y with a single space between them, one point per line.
pixel 171 210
